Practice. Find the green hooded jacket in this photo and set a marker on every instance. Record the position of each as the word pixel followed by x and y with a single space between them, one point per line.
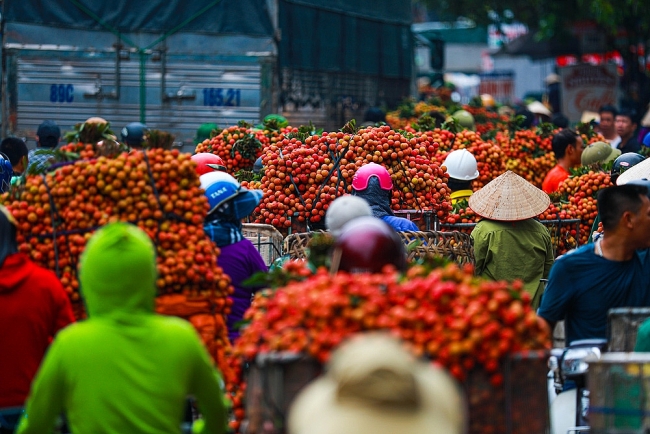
pixel 125 369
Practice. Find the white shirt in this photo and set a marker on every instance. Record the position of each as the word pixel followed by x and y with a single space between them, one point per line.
pixel 615 142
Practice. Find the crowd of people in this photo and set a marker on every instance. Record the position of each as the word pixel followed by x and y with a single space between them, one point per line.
pixel 127 369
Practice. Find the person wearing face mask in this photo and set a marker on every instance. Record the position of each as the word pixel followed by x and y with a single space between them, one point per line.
pixel 229 204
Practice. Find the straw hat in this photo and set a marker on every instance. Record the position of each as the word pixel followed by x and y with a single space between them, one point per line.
pixel 638 171
pixel 539 108
pixel 374 386
pixel 96 120
pixel 509 197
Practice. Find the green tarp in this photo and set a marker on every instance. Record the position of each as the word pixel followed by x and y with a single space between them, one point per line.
pixel 243 17
pixel 335 38
pixel 386 11
pixel 474 35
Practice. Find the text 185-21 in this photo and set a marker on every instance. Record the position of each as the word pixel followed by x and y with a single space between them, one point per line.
pixel 221 97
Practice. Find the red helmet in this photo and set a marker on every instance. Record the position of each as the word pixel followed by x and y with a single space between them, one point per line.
pixel 366 245
pixel 363 175
pixel 207 162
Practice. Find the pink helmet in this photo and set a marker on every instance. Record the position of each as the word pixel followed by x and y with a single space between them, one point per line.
pixel 363 175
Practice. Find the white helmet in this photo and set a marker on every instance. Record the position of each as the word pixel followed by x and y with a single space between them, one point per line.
pixel 344 209
pixel 461 165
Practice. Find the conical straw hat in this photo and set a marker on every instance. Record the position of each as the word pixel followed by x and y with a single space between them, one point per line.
pixel 509 198
pixel 638 171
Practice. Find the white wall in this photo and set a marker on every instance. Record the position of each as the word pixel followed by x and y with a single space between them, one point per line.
pixel 529 75
pixel 463 57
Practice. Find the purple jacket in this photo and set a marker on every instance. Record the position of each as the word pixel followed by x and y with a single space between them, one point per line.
pixel 240 261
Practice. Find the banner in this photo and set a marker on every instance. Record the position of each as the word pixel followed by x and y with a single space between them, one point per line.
pixel 499 84
pixel 587 88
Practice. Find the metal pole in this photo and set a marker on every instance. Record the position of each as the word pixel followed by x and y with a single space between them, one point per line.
pixel 143 88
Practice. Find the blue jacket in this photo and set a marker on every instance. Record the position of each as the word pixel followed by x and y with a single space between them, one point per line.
pixel 400 224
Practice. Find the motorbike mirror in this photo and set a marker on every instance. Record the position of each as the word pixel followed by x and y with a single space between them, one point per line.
pixel 575 362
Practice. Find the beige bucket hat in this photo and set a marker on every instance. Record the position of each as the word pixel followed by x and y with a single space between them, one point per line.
pixel 509 197
pixel 374 386
pixel 638 171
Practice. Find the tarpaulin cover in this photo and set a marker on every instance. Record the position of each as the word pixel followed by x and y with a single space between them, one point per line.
pixel 244 17
pixel 388 11
pixel 332 38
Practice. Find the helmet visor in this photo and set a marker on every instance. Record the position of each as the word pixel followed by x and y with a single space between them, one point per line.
pixel 242 205
pixel 361 182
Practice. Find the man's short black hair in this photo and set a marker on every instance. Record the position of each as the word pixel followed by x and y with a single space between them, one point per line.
pixel 529 117
pixel 374 114
pixel 559 120
pixel 628 113
pixel 14 148
pixel 438 118
pixel 608 109
pixel 613 202
pixel 564 138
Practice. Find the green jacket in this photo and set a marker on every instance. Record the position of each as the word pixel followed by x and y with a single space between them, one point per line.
pixel 125 369
pixel 643 337
pixel 514 250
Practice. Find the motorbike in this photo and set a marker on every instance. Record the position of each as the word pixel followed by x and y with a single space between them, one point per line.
pixel 568 394
pixel 9 418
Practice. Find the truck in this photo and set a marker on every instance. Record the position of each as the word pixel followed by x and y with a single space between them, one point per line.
pixel 175 64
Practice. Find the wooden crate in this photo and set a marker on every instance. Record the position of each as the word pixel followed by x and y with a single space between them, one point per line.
pixel 272 382
pixel 517 406
pixel 455 246
pixel 622 326
pixel 619 392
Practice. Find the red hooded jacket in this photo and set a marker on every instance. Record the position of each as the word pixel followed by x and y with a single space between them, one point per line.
pixel 33 307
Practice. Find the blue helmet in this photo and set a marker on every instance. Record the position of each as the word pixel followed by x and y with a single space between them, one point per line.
pixel 133 134
pixel 624 162
pixel 221 188
pixel 6 172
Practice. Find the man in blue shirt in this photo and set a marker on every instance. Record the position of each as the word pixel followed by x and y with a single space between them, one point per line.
pixel 613 272
pixel 47 137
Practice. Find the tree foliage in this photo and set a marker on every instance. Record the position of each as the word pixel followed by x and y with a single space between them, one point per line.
pixel 624 22
pixel 553 18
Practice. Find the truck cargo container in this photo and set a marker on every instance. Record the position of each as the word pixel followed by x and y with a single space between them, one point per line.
pixel 175 65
